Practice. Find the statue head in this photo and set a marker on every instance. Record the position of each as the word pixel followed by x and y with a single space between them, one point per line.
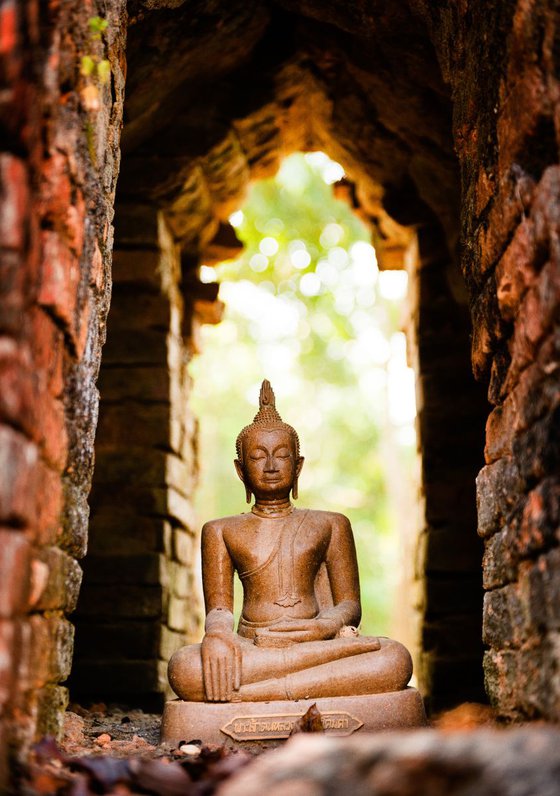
pixel 270 446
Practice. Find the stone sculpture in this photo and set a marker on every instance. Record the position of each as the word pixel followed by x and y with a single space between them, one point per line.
pixel 297 637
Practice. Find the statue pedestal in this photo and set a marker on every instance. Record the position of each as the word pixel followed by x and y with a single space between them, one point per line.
pixel 260 725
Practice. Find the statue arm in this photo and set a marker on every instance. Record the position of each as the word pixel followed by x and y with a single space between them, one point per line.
pixel 342 569
pixel 221 655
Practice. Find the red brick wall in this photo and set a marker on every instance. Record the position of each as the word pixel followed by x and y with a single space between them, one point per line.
pixel 57 180
pixel 501 59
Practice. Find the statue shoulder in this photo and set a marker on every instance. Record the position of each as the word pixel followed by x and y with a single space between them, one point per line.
pixel 222 524
pixel 331 518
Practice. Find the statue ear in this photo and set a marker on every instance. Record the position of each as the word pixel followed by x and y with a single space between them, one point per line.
pixel 239 470
pixel 299 465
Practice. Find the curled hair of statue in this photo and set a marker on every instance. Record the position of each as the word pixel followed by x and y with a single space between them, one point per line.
pixel 266 418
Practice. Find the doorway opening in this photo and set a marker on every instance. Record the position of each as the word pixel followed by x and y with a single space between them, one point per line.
pixel 307 307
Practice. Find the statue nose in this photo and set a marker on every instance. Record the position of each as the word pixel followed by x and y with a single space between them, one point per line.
pixel 270 466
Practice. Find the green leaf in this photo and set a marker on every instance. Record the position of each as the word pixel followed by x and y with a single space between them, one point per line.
pixel 87 65
pixel 104 71
pixel 97 25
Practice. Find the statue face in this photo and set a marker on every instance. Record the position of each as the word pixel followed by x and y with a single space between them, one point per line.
pixel 269 463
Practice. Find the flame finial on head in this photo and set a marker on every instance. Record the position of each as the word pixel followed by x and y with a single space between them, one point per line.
pixel 266 418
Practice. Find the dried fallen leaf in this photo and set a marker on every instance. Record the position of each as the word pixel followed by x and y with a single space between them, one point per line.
pixel 311 721
pixel 104 772
pixel 157 776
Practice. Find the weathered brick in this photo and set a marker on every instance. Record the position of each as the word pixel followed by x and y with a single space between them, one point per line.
pixel 537 450
pixel 52 642
pixel 501 556
pixel 498 488
pixel 17 396
pixel 541 518
pixel 14 201
pixel 18 466
pixel 526 101
pixel 52 701
pixel 49 503
pixel 7 650
pixel 14 572
pixel 499 432
pixel 63 583
pixel 545 214
pixel 60 278
pixel 503 623
pixel 516 270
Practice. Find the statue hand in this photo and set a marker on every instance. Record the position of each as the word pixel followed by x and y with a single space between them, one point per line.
pixel 221 666
pixel 291 631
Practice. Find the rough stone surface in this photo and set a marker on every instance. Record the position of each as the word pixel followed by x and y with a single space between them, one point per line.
pixel 58 168
pixel 423 763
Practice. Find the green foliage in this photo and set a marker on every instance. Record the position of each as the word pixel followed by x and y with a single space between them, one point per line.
pixel 97 26
pixel 304 310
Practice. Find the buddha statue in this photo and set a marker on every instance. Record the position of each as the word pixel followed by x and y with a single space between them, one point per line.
pixel 297 636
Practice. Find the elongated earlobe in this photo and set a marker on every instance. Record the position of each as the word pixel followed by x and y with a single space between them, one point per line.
pixel 295 489
pixel 247 494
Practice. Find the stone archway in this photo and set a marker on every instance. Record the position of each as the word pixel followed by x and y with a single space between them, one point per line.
pixel 228 115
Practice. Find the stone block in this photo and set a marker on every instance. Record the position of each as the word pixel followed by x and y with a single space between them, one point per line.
pixel 121 530
pixel 450 549
pixel 150 383
pixel 148 569
pixel 120 679
pixel 183 546
pixel 137 226
pixel 140 347
pixel 170 642
pixel 48 505
pixel 14 572
pixel 113 640
pixel 179 580
pixel 445 596
pixel 137 309
pixel 104 602
pixel 178 613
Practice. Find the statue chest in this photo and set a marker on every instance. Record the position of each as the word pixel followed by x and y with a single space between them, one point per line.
pixel 281 561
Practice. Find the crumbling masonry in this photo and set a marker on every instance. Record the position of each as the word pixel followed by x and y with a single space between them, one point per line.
pixel 446 118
